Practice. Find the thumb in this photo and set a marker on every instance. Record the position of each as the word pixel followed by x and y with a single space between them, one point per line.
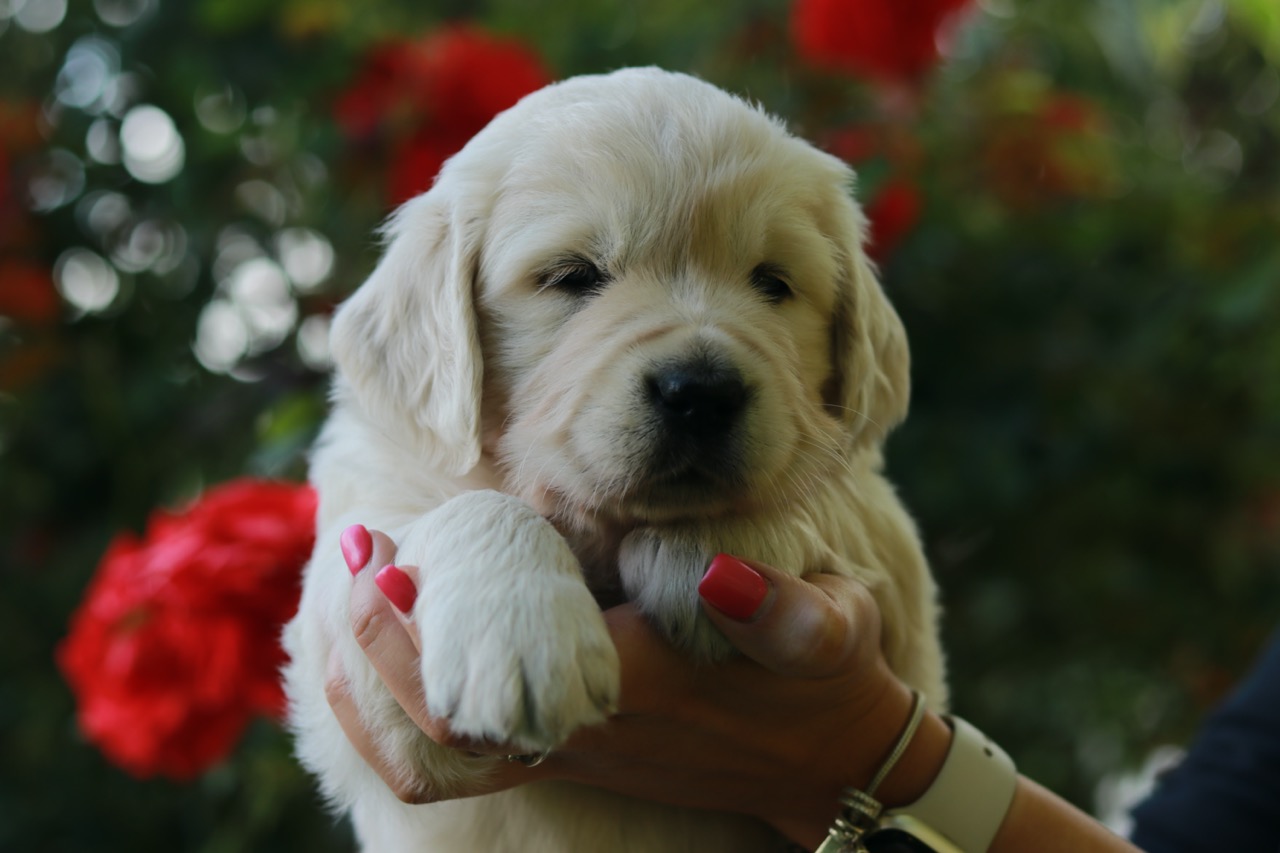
pixel 808 627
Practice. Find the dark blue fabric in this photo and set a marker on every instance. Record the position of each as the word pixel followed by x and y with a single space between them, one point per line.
pixel 1225 796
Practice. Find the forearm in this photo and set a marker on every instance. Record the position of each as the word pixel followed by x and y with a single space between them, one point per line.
pixel 1042 821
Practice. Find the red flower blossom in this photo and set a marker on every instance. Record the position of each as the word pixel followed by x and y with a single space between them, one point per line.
pixel 893 40
pixel 893 203
pixel 1070 113
pixel 892 213
pixel 1053 148
pixel 26 293
pixel 423 100
pixel 175 647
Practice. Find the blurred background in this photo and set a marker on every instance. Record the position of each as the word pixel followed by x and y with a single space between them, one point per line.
pixel 1076 209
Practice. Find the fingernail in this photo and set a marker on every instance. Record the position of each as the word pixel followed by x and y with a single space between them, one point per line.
pixel 397 587
pixel 733 587
pixel 357 547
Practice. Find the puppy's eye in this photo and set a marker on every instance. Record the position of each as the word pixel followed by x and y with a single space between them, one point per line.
pixel 578 277
pixel 769 281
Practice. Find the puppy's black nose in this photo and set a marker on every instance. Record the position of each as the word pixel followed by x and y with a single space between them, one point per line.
pixel 699 399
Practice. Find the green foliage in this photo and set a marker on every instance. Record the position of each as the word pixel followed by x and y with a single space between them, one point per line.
pixel 1093 307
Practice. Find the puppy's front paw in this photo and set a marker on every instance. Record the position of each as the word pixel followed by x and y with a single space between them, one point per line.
pixel 660 573
pixel 514 647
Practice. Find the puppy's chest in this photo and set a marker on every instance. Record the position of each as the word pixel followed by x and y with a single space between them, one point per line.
pixel 599 560
pixel 597 552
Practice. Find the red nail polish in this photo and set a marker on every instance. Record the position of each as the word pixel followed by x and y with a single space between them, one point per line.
pixel 397 587
pixel 357 547
pixel 733 587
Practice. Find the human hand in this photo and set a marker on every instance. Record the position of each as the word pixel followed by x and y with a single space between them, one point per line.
pixel 809 708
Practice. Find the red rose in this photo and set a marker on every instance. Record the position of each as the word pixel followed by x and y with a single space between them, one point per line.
pixel 175 647
pixel 26 293
pixel 423 100
pixel 895 40
pixel 892 203
pixel 892 213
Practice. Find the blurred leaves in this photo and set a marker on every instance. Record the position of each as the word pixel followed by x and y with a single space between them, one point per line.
pixel 1262 20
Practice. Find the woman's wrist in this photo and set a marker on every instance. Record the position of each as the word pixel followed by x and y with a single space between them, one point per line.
pixel 862 752
pixel 1036 819
pixel 919 765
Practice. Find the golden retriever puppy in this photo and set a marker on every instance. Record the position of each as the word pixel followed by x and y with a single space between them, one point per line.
pixel 631 326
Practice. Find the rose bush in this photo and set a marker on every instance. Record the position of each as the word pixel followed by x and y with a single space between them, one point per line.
pixel 885 39
pixel 1049 145
pixel 891 214
pixel 893 203
pixel 420 101
pixel 175 647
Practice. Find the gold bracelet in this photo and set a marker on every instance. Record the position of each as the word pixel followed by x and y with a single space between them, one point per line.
pixel 860 811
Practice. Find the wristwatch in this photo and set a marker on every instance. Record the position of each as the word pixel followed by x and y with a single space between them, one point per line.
pixel 960 812
pixel 965 805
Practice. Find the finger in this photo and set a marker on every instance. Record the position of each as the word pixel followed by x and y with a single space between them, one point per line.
pixel 390 646
pixel 655 676
pixel 803 627
pixel 399 586
pixel 384 550
pixel 362 547
pixel 338 692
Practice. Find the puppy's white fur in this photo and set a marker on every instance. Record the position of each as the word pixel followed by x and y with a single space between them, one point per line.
pixel 500 426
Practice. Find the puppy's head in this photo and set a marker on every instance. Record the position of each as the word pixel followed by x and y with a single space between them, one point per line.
pixel 657 296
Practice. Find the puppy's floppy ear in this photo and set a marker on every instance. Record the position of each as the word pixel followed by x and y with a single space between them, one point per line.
pixel 406 344
pixel 871 383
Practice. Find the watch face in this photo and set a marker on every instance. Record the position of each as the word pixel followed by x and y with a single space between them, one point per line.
pixel 890 840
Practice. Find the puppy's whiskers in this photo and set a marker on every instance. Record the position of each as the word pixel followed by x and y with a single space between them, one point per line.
pixel 829 450
pixel 854 411
pixel 809 477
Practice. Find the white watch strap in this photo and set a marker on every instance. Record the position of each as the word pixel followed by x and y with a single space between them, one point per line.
pixel 969 799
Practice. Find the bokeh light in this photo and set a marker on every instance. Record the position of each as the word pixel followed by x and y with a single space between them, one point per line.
pixel 264 200
pixel 86 280
pixel 89 69
pixel 260 290
pixel 152 246
pixel 103 211
pixel 313 342
pixel 221 110
pixel 102 141
pixel 122 13
pixel 39 16
pixel 307 257
pixel 221 336
pixel 57 180
pixel 153 151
